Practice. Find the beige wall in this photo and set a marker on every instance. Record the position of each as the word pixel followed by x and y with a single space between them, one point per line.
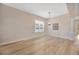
pixel 73 9
pixel 17 25
pixel 65 27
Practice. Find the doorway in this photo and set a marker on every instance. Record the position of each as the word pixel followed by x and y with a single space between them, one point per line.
pixel 76 27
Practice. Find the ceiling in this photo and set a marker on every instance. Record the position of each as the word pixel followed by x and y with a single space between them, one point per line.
pixel 41 9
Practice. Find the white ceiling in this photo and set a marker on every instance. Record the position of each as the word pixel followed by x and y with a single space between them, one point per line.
pixel 41 9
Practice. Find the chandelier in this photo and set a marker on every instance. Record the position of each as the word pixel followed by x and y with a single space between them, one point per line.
pixel 49 14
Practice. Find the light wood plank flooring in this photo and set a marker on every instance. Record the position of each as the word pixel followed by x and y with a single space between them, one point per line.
pixel 40 46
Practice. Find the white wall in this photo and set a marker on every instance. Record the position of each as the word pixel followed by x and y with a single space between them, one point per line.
pixel 17 25
pixel 65 27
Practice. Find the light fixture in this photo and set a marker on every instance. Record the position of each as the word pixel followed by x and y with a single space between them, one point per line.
pixel 49 16
pixel 50 13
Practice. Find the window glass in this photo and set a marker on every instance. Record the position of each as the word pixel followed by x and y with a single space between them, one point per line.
pixel 39 26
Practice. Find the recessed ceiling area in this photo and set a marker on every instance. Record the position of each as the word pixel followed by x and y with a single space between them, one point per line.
pixel 41 9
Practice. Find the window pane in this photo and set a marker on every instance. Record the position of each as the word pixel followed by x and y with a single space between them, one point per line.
pixel 39 26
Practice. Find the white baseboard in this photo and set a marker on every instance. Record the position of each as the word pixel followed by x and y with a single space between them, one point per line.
pixel 27 38
pixel 65 37
pixel 32 37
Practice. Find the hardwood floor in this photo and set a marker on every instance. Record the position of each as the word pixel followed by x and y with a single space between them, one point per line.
pixel 40 46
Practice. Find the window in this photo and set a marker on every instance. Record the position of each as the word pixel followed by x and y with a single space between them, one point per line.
pixel 55 26
pixel 39 26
